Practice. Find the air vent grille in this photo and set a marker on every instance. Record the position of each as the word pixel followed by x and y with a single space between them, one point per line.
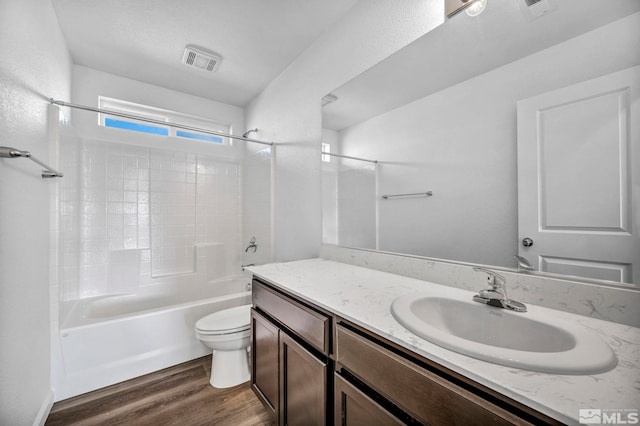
pixel 534 9
pixel 201 58
pixel 327 99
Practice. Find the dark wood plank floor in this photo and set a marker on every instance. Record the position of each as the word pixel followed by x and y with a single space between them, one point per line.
pixel 179 395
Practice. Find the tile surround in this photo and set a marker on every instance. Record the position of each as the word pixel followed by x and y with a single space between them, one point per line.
pixel 127 215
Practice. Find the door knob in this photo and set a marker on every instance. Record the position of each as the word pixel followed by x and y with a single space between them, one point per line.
pixel 527 242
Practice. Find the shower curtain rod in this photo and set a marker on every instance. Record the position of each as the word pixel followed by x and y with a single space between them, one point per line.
pixel 349 157
pixel 151 120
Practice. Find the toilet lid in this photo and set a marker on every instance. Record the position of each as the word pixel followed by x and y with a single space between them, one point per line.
pixel 226 321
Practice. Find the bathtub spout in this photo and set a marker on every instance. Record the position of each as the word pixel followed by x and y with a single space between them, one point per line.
pixel 252 245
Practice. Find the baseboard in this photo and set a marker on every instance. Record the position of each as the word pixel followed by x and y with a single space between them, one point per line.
pixel 41 418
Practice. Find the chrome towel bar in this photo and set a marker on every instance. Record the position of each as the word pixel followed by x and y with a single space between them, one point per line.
pixel 415 194
pixel 48 172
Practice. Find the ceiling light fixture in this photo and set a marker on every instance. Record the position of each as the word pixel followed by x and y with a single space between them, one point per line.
pixel 476 8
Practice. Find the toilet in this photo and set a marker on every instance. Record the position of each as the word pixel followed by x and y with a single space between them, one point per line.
pixel 227 333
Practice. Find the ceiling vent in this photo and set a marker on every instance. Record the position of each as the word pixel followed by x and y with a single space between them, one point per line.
pixel 200 58
pixel 533 9
pixel 327 99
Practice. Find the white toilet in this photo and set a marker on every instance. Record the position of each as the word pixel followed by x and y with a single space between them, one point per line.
pixel 227 333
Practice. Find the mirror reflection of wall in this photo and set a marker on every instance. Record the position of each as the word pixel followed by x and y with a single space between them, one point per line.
pixel 348 199
pixel 459 137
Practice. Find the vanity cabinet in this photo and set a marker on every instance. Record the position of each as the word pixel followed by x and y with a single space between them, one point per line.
pixel 289 352
pixel 311 367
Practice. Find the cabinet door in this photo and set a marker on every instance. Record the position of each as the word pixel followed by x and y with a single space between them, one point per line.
pixel 265 358
pixel 304 385
pixel 354 408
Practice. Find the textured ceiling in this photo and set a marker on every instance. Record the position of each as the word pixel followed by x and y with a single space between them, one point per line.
pixel 145 39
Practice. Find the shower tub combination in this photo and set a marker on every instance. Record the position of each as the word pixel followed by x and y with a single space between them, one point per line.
pixel 109 339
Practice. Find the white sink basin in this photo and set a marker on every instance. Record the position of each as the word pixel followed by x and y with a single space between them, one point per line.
pixel 522 340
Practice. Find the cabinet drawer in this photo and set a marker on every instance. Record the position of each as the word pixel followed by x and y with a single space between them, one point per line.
pixel 310 325
pixel 424 395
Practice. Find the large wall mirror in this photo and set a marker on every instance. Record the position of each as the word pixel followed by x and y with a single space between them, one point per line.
pixel 522 122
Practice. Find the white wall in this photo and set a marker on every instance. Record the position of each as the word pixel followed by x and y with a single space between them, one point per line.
pixel 287 111
pixel 356 204
pixel 34 65
pixel 257 204
pixel 89 83
pixel 461 143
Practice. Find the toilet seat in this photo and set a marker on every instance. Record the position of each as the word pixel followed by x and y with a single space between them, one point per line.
pixel 227 321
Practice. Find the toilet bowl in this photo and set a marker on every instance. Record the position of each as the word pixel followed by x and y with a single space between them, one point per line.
pixel 227 333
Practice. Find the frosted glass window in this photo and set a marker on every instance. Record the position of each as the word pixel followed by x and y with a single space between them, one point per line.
pixel 136 127
pixel 199 136
pixel 326 148
pixel 161 115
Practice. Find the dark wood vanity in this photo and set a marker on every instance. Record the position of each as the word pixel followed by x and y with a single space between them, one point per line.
pixel 311 367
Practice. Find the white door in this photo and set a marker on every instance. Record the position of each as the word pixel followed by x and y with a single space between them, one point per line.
pixel 579 178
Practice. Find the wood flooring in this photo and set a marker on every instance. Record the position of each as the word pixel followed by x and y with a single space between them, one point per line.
pixel 179 395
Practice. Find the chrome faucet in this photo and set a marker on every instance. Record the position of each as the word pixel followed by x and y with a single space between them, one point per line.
pixel 497 294
pixel 252 245
pixel 523 264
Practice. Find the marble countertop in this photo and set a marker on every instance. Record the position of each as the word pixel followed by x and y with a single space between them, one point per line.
pixel 363 296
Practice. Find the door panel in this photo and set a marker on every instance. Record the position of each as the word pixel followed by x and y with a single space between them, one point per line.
pixel 578 161
pixel 598 270
pixel 265 358
pixel 582 164
pixel 304 385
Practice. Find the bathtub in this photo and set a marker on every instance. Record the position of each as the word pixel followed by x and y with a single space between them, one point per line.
pixel 106 340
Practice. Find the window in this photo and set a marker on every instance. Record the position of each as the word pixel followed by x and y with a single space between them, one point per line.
pixel 199 136
pixel 135 126
pixel 160 116
pixel 326 148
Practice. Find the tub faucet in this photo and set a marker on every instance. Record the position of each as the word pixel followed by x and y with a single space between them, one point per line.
pixel 497 294
pixel 252 245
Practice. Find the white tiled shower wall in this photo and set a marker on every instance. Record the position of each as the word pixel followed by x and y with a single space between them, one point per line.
pixel 131 215
pixel 137 209
pixel 145 213
pixel 64 223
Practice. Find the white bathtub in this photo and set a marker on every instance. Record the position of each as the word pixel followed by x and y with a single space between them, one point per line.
pixel 106 340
